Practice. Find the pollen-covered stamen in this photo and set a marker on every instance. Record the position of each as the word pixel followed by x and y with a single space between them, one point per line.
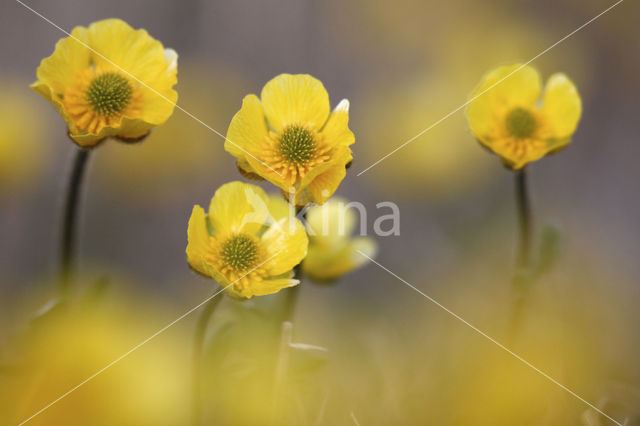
pixel 239 252
pixel 294 151
pixel 109 94
pixel 520 123
pixel 297 145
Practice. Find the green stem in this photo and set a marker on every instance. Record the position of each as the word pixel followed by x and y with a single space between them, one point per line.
pixel 524 219
pixel 523 262
pixel 198 352
pixel 292 295
pixel 70 222
pixel 282 364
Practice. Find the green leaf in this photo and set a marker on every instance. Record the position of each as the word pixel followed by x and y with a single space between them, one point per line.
pixel 549 250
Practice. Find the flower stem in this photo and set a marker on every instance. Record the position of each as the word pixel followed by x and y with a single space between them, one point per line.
pixel 292 294
pixel 198 352
pixel 282 364
pixel 70 220
pixel 524 218
pixel 523 262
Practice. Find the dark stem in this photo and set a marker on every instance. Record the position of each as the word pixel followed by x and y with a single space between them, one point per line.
pixel 70 221
pixel 198 352
pixel 524 219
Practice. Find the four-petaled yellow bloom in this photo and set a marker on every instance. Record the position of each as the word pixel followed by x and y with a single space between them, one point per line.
pixel 247 241
pixel 93 78
pixel 291 138
pixel 332 250
pixel 508 120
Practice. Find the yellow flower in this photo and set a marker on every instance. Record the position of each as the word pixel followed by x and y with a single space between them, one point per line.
pixel 508 120
pixel 95 80
pixel 247 241
pixel 22 153
pixel 70 343
pixel 291 138
pixel 429 167
pixel 332 250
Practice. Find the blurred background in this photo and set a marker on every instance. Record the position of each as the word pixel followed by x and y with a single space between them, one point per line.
pixel 381 353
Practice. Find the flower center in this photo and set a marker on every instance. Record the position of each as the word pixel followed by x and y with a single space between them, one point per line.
pixel 240 252
pixel 109 94
pixel 520 123
pixel 297 145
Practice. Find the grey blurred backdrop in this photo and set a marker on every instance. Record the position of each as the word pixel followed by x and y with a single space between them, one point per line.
pixel 403 64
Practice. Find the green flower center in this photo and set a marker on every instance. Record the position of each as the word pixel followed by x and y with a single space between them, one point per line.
pixel 109 93
pixel 297 145
pixel 520 123
pixel 240 252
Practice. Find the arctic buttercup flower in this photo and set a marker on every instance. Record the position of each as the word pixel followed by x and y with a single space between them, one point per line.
pixel 333 252
pixel 247 241
pixel 291 138
pixel 507 118
pixel 109 80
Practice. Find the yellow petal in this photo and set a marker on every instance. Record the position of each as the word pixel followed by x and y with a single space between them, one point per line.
pixel 517 160
pixel 500 90
pixel 336 130
pixel 258 167
pixel 198 241
pixel 130 128
pixel 362 246
pixel 116 43
pixel 248 129
pixel 298 98
pixel 562 105
pixel 70 56
pixel 59 70
pixel 238 206
pixel 159 98
pixel 326 184
pixel 141 57
pixel 279 208
pixel 324 179
pixel 270 286
pixel 321 264
pixel 286 245
pixel 134 128
pixel 47 92
pixel 333 219
pixel 328 263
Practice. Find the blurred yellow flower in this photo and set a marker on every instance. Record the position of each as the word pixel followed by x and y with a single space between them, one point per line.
pixel 22 152
pixel 247 242
pixel 429 167
pixel 61 349
pixel 332 250
pixel 507 119
pixel 291 138
pixel 93 78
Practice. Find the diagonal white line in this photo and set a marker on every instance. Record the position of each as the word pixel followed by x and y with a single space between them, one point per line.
pixel 491 87
pixel 491 339
pixel 354 419
pixel 146 85
pixel 136 347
